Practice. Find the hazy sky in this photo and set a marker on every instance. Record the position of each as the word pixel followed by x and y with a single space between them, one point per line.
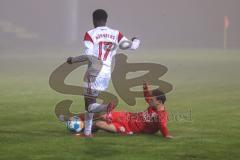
pixel 159 23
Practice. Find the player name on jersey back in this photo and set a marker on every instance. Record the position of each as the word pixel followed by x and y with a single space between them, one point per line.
pixel 105 35
pixel 102 43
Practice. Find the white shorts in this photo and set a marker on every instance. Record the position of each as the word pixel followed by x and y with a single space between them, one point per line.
pixel 94 85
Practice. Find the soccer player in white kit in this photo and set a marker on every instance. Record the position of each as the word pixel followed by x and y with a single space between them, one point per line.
pixel 100 45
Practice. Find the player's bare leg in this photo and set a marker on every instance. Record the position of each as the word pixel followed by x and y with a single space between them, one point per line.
pixel 110 127
pixel 91 107
pixel 96 116
pixel 105 126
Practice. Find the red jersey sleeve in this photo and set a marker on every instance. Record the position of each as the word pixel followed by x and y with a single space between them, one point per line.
pixel 87 37
pixel 163 117
pixel 120 36
pixel 147 94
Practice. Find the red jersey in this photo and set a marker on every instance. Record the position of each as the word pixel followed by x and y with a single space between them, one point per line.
pixel 150 121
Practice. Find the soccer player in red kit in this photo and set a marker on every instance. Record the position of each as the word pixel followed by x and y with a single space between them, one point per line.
pixel 150 121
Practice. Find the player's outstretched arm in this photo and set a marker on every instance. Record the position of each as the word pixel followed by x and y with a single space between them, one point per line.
pixel 163 117
pixel 81 58
pixel 132 44
pixel 146 92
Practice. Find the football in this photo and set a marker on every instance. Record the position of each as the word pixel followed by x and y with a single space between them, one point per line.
pixel 75 124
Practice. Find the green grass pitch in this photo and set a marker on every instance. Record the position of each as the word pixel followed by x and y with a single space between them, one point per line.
pixel 206 82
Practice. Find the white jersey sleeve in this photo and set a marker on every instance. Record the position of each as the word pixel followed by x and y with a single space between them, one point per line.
pixel 80 58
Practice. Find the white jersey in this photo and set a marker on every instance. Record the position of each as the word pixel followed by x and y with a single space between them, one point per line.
pixel 100 44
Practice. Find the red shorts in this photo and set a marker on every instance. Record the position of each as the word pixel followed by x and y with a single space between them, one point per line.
pixel 120 122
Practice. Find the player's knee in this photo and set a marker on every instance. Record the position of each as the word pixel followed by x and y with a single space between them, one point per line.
pixel 88 103
pixel 89 108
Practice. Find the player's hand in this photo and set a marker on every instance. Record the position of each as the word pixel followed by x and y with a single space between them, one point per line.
pixel 134 38
pixel 169 137
pixel 145 84
pixel 135 43
pixel 69 60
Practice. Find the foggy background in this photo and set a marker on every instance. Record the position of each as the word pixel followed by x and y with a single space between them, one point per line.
pixel 160 24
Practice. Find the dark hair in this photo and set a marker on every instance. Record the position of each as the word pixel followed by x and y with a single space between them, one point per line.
pixel 159 95
pixel 99 15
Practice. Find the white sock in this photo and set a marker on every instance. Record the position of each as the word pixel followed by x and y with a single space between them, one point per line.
pixel 88 123
pixel 96 107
